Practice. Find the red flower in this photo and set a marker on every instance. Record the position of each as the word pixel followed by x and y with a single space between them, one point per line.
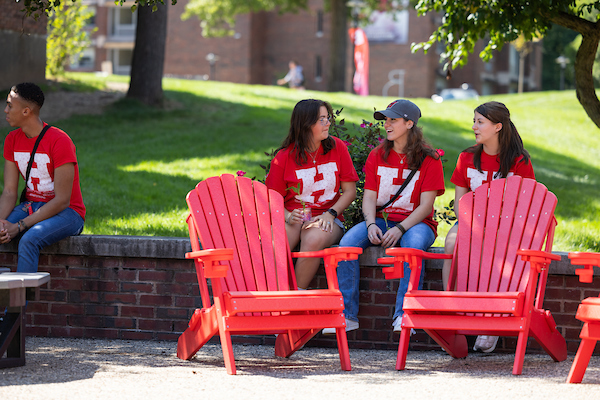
pixel 440 152
pixel 241 173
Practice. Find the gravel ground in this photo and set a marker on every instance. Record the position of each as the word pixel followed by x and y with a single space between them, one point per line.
pixel 102 369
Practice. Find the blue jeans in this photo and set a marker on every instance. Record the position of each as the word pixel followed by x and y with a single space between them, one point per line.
pixel 420 236
pixel 65 223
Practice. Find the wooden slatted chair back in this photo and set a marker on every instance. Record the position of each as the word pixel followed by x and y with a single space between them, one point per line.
pixel 239 213
pixel 495 221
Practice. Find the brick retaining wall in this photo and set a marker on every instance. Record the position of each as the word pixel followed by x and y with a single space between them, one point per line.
pixel 127 287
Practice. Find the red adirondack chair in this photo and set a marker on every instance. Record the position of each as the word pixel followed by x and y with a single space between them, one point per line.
pixel 492 291
pixel 239 225
pixel 589 313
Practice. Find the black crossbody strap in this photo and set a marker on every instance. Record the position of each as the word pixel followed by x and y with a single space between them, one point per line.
pixel 406 182
pixel 30 163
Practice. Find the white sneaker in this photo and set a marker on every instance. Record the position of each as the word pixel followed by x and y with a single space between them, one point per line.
pixel 397 324
pixel 485 344
pixel 350 326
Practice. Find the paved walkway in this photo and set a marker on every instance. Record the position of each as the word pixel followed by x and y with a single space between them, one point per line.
pixel 102 369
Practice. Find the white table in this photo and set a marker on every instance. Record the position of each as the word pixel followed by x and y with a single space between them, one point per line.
pixel 15 289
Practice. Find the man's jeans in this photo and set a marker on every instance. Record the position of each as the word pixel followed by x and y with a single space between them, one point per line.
pixel 65 223
pixel 420 236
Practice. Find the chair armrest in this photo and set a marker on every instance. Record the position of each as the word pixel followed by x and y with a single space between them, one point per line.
pixel 413 257
pixel 539 259
pixel 210 259
pixel 588 260
pixel 331 256
pixel 342 253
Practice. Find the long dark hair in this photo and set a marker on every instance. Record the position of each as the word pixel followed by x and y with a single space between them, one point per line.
pixel 305 115
pixel 416 148
pixel 509 140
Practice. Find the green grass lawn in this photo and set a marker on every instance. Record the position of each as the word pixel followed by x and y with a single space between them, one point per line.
pixel 137 163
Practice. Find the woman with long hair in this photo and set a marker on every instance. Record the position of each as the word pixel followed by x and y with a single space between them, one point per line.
pixel 312 170
pixel 408 219
pixel 498 153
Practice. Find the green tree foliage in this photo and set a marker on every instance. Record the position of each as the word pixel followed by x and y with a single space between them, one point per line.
pixel 555 44
pixel 67 36
pixel 498 22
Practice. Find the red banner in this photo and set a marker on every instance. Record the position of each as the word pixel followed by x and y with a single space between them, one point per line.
pixel 361 61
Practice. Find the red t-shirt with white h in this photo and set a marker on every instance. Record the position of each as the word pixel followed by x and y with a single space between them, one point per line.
pixel 466 175
pixel 386 177
pixel 319 179
pixel 55 149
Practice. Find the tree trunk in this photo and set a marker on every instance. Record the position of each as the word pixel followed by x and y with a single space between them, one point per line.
pixel 584 81
pixel 584 61
pixel 148 60
pixel 338 43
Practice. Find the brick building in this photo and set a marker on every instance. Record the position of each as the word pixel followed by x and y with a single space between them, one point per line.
pixel 22 46
pixel 264 42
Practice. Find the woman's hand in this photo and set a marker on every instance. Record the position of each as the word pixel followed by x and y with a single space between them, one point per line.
pixel 324 222
pixel 374 233
pixel 295 217
pixel 391 237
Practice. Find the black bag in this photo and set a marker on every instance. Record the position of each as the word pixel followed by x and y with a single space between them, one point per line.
pixel 23 198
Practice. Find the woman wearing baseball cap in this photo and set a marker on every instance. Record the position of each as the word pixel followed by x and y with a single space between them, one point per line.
pixel 409 221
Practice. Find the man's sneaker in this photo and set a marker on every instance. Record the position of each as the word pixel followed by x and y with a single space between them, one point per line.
pixel 485 344
pixel 350 326
pixel 397 324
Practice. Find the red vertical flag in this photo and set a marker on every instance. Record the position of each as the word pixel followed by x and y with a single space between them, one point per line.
pixel 361 61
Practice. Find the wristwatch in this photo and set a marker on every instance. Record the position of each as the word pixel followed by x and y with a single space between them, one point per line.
pixel 333 212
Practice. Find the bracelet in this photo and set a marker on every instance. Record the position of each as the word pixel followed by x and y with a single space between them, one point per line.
pixel 372 223
pixel 22 224
pixel 333 212
pixel 399 226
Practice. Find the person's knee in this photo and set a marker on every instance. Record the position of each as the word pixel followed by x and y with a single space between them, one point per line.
pixel 449 244
pixel 355 236
pixel 312 242
pixel 418 240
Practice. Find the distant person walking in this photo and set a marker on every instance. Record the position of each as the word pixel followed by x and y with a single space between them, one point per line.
pixel 294 77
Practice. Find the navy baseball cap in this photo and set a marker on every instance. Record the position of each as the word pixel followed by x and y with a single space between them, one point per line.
pixel 400 109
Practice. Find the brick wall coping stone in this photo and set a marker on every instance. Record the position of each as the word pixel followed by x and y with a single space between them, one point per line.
pixel 176 247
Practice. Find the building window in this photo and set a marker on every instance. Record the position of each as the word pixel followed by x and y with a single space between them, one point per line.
pixel 121 59
pixel 86 61
pixel 318 69
pixel 319 23
pixel 123 22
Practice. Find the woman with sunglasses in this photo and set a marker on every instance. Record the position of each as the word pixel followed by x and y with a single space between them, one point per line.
pixel 312 170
